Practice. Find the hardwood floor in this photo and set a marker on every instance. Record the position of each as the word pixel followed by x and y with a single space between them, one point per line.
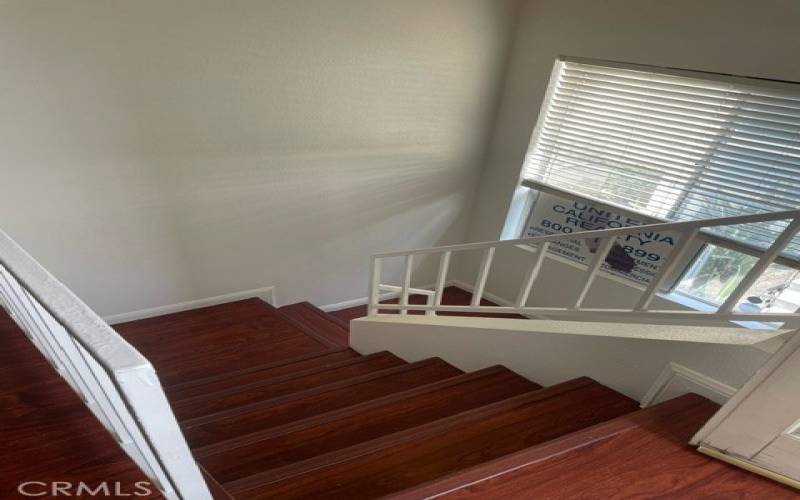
pixel 639 455
pixel 215 340
pixel 46 432
pixel 275 405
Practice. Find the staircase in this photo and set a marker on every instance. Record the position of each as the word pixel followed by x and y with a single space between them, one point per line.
pixel 275 405
pixel 252 401
pixel 307 417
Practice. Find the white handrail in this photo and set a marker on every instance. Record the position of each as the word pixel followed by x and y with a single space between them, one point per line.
pixel 116 382
pixel 641 312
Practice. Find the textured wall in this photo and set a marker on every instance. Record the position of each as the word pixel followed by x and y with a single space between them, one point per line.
pixel 153 152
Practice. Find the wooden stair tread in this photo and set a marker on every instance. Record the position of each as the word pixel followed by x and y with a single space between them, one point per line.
pixel 236 378
pixel 46 412
pixel 263 390
pixel 212 340
pixel 633 456
pixel 397 461
pixel 218 492
pixel 313 319
pixel 345 412
pixel 247 419
pixel 366 423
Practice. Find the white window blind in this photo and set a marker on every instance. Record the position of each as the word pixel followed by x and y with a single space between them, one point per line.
pixel 672 146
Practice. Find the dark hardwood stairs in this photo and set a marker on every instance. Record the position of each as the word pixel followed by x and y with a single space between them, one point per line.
pixel 274 404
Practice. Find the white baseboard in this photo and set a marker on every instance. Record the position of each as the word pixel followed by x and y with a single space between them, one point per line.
pixel 675 380
pixel 267 294
pixel 354 302
pixel 393 295
pixel 384 296
pixel 500 301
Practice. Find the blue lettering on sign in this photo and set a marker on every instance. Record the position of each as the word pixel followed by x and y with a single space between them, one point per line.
pixel 650 237
pixel 585 217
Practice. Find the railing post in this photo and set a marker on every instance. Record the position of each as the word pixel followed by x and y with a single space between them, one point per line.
pixel 374 285
pixel 532 274
pixel 406 283
pixel 441 279
pixel 483 274
pixel 666 270
pixel 761 265
pixel 594 267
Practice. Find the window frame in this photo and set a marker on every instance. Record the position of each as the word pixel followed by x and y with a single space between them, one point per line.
pixel 527 190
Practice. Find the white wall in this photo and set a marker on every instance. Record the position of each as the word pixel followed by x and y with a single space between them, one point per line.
pixel 630 366
pixel 154 152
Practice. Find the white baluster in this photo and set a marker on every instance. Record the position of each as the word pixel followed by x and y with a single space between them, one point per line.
pixel 374 285
pixel 406 284
pixel 599 257
pixel 666 269
pixel 483 274
pixel 531 275
pixel 441 279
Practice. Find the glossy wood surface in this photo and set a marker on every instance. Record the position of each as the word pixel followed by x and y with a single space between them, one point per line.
pixel 46 433
pixel 273 387
pixel 274 405
pixel 641 455
pixel 401 460
pixel 219 339
pixel 366 423
pixel 311 319
pixel 252 418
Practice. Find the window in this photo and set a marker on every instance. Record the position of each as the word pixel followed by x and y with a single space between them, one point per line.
pixel 647 144
pixel 717 271
pixel 671 145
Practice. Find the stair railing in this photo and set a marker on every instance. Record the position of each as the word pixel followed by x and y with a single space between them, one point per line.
pixel 113 379
pixel 641 312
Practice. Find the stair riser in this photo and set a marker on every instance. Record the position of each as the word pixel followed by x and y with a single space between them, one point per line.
pixel 343 432
pixel 203 387
pixel 403 460
pixel 296 407
pixel 272 388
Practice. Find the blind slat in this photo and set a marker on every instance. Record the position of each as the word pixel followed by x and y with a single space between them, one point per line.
pixel 724 99
pixel 672 146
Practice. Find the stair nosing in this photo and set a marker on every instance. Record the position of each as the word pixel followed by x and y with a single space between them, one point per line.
pixel 322 418
pixel 251 369
pixel 387 441
pixel 329 317
pixel 286 377
pixel 345 325
pixel 241 410
pixel 547 450
pixel 214 485
pixel 308 328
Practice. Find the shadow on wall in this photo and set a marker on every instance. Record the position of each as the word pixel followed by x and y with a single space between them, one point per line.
pixel 320 215
pixel 242 144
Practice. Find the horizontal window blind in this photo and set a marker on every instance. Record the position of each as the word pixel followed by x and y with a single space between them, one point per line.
pixel 672 146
